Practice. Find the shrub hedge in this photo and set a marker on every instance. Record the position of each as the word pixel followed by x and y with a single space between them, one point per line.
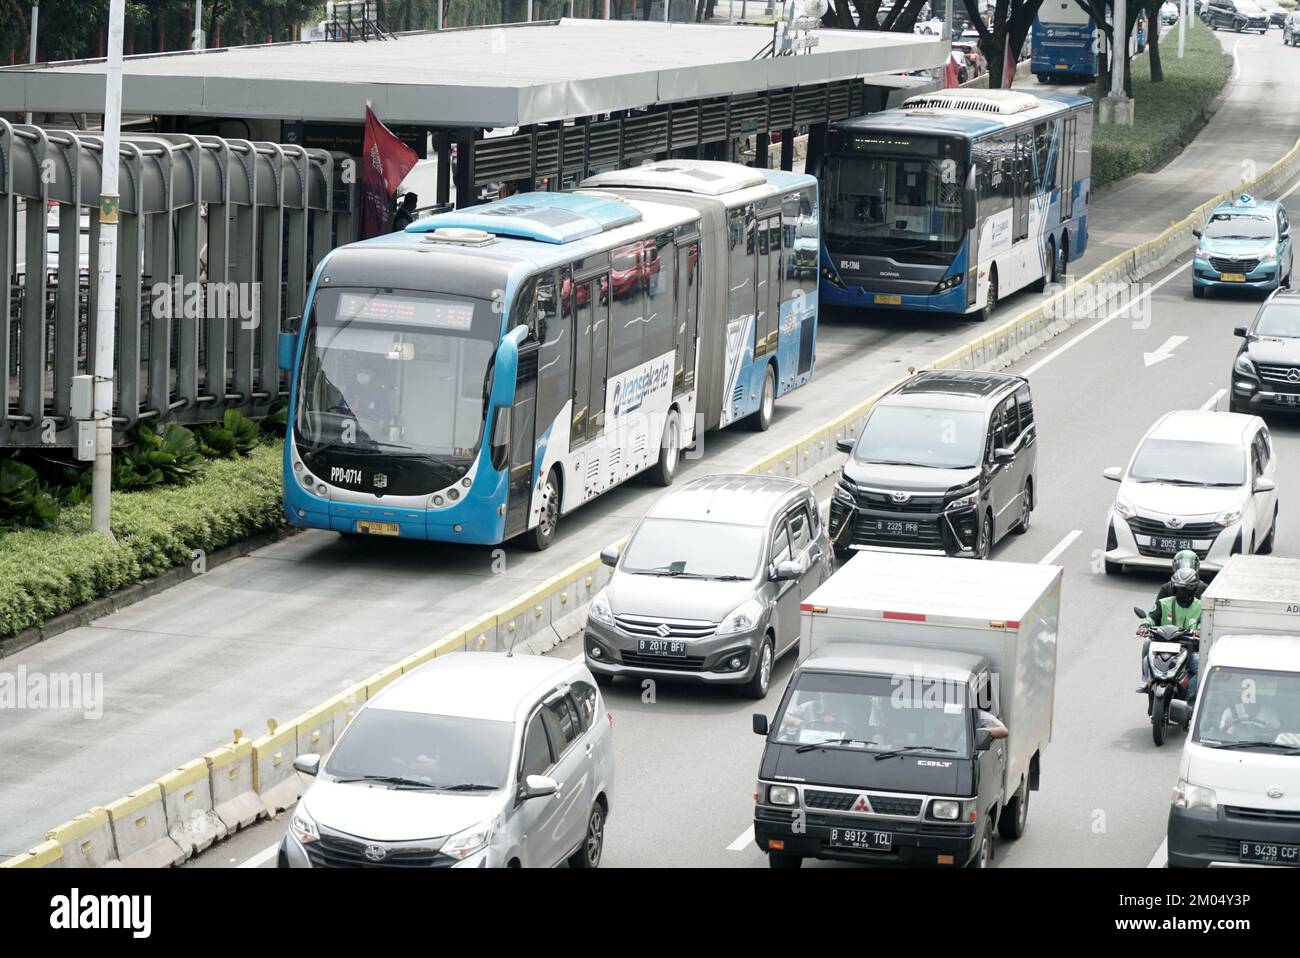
pixel 45 572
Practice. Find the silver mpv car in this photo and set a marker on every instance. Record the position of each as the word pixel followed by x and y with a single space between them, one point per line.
pixel 710 583
pixel 477 759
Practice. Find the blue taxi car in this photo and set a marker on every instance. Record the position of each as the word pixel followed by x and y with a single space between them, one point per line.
pixel 1246 242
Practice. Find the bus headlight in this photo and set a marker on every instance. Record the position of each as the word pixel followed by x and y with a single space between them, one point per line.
pixel 950 282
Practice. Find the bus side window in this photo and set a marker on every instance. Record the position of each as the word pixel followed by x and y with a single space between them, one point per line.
pixel 524 312
pixel 577 298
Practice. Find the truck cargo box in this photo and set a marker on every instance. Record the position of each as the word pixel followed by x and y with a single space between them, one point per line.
pixel 1252 595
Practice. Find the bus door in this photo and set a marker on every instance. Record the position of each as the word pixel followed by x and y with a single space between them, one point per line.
pixel 768 281
pixel 1023 186
pixel 688 289
pixel 519 492
pixel 591 358
pixel 1066 178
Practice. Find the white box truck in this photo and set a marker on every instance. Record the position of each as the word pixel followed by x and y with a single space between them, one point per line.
pixel 1237 798
pixel 913 726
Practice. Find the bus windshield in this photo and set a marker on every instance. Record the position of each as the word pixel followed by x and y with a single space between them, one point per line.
pixel 902 206
pixel 397 371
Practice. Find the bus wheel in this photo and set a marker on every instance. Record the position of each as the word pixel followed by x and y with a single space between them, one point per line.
pixel 670 451
pixel 542 534
pixel 991 303
pixel 762 420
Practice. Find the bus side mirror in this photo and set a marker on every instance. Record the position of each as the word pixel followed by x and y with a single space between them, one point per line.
pixel 968 210
pixel 288 344
pixel 500 445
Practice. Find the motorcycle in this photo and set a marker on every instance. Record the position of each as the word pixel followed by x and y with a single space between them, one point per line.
pixel 1168 660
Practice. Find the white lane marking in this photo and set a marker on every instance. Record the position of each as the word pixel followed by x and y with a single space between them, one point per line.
pixel 1212 401
pixel 261 858
pixel 1161 857
pixel 1060 547
pixel 1092 329
pixel 746 838
pixel 1164 351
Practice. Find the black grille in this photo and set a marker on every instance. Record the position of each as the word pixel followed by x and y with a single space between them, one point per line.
pixel 884 502
pixel 332 852
pixel 831 801
pixel 844 801
pixel 1225 265
pixel 866 532
pixel 895 806
pixel 1192 530
pixel 1260 814
pixel 689 663
pixel 1280 375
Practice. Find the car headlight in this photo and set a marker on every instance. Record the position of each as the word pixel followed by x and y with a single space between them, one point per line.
pixel 966 499
pixel 843 490
pixel 463 844
pixel 743 618
pixel 303 827
pixel 782 795
pixel 1228 516
pixel 1194 797
pixel 1244 366
pixel 1269 257
pixel 600 610
pixel 1124 509
pixel 947 810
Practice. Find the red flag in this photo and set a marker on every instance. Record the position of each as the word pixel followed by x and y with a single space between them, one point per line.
pixel 385 161
pixel 1009 68
pixel 950 74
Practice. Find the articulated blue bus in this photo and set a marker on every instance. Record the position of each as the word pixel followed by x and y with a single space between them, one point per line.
pixel 1064 42
pixel 488 370
pixel 955 200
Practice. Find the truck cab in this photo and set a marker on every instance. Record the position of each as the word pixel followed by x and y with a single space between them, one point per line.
pixel 877 758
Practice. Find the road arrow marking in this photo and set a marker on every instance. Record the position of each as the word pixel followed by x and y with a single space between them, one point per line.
pixel 1166 351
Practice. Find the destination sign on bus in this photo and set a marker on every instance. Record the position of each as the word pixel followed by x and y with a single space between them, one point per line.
pixel 892 143
pixel 406 310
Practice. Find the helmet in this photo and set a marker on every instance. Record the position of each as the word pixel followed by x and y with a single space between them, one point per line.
pixel 1184 583
pixel 1187 559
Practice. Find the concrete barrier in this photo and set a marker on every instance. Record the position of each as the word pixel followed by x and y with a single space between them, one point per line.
pixel 48 854
pixel 86 841
pixel 276 783
pixel 187 802
pixel 345 706
pixel 230 776
pixel 140 830
pixel 314 731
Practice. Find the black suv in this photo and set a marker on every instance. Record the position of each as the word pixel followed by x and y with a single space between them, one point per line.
pixel 945 463
pixel 1266 372
pixel 1238 14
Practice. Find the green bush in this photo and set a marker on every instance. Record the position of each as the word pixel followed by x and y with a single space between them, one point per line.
pixel 1167 115
pixel 234 437
pixel 154 458
pixel 24 499
pixel 45 572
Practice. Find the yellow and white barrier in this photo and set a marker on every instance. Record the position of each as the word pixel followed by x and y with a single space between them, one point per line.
pixel 86 841
pixel 230 776
pixel 140 830
pixel 187 801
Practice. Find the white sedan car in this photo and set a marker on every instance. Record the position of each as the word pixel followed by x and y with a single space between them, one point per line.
pixel 1205 481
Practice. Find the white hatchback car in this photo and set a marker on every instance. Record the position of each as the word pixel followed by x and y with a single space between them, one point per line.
pixel 477 759
pixel 1205 481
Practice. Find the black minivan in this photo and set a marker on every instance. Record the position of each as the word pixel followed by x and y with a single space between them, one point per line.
pixel 947 462
pixel 1238 15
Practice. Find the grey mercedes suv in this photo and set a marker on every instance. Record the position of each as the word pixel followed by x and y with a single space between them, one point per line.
pixel 710 583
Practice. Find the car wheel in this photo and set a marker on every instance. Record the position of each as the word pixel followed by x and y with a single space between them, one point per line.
pixel 1112 568
pixel 1049 269
pixel 1266 547
pixel 984 537
pixel 1015 814
pixel 603 679
pixel 985 853
pixel 593 843
pixel 991 303
pixel 670 451
pixel 778 860
pixel 1026 510
pixel 543 534
pixel 756 688
pixel 761 421
pixel 1198 292
pixel 1234 406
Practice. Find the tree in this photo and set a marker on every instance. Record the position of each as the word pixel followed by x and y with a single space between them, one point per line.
pixel 1011 20
pixel 900 19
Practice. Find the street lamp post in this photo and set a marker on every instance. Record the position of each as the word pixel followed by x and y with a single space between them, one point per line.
pixel 1117 107
pixel 198 24
pixel 31 54
pixel 1182 25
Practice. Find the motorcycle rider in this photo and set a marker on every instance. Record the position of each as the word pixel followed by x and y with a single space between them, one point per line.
pixel 1182 609
pixel 1187 559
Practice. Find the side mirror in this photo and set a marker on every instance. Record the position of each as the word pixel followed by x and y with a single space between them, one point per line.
pixel 1264 484
pixel 1239 331
pixel 787 570
pixel 760 724
pixel 1197 233
pixel 844 445
pixel 308 764
pixel 500 448
pixel 968 210
pixel 288 351
pixel 538 786
pixel 1140 613
pixel 1114 473
pixel 983 739
pixel 609 556
pixel 1003 455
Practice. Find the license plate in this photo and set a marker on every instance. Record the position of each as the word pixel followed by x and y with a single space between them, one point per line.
pixel 379 528
pixel 1266 853
pixel 861 838
pixel 672 647
pixel 1233 277
pixel 1170 546
pixel 888 299
pixel 895 527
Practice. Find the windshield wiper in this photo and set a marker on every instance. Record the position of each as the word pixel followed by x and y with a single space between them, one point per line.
pixel 395 780
pixel 829 743
pixel 912 748
pixel 1288 749
pixel 674 570
pixel 467 787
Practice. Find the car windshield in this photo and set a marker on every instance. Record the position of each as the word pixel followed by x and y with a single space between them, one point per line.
pixel 399 371
pixel 1249 708
pixel 682 547
pixel 439 751
pixel 1187 462
pixel 1280 320
pixel 876 713
pixel 1247 226
pixel 917 436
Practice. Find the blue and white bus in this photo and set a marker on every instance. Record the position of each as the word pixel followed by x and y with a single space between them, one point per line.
pixel 955 199
pixel 1063 42
pixel 479 375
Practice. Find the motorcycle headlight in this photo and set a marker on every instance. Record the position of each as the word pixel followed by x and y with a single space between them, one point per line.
pixel 303 826
pixel 600 610
pixel 1174 665
pixel 1124 509
pixel 1228 516
pixel 782 795
pixel 463 844
pixel 966 499
pixel 743 618
pixel 1244 366
pixel 1194 797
